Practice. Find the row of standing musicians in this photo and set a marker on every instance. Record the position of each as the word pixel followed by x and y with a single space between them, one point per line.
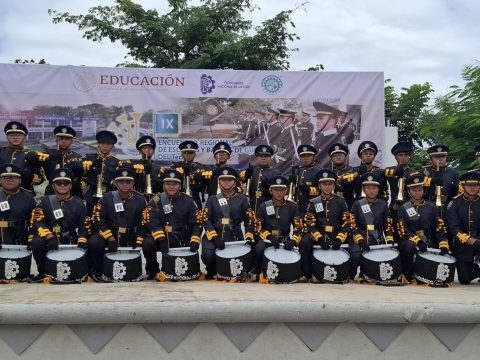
pixel 226 208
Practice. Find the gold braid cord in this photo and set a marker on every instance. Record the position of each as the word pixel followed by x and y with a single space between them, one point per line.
pixel 96 212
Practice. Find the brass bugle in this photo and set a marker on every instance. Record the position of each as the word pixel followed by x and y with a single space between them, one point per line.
pixel 148 184
pixel 99 192
pixel 291 195
pixel 188 190
pixel 400 189
pixel 246 189
pixel 438 189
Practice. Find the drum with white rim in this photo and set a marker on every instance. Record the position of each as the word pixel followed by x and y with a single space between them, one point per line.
pixel 181 264
pixel 434 269
pixel 235 261
pixel 280 265
pixel 381 264
pixel 67 264
pixel 123 265
pixel 330 265
pixel 15 262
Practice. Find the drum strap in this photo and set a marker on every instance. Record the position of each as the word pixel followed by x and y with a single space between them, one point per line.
pixel 4 204
pixel 119 210
pixel 57 211
pixel 167 209
pixel 272 216
pixel 368 216
pixel 223 203
pixel 411 212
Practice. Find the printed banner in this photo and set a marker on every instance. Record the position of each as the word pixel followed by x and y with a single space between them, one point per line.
pixel 244 108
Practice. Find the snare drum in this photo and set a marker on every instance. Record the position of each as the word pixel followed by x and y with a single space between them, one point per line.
pixel 123 265
pixel 331 265
pixel 15 262
pixel 381 264
pixel 234 262
pixel 280 265
pixel 67 265
pixel 434 269
pixel 181 264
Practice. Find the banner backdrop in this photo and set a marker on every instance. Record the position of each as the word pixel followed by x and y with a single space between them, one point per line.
pixel 207 106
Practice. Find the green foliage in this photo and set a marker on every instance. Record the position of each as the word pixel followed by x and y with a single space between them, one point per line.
pixel 456 122
pixel 214 35
pixel 405 110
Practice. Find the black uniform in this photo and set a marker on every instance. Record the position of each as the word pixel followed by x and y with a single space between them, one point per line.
pixel 327 224
pixel 173 227
pixel 341 187
pixel 70 160
pixel 304 184
pixel 220 229
pixel 71 228
pixel 275 225
pixel 92 165
pixel 258 192
pixel 446 178
pixel 25 160
pixel 463 222
pixel 14 221
pixel 124 226
pixel 196 187
pixel 415 228
pixel 142 168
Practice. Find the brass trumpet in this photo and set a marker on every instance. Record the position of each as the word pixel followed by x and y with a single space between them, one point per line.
pixel 188 190
pixel 148 183
pixel 291 194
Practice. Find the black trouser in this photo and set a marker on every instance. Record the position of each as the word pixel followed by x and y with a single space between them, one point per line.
pixel 259 249
pixel 306 252
pixel 39 252
pixel 150 247
pixel 95 253
pixel 355 257
pixel 467 269
pixel 208 256
pixel 407 255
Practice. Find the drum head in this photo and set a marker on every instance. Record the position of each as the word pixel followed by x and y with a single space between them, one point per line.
pixel 233 251
pixel 180 252
pixel 446 259
pixel 65 254
pixel 381 255
pixel 123 255
pixel 281 256
pixel 13 253
pixel 331 257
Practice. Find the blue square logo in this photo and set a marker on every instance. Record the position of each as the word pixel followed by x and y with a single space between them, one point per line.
pixel 166 124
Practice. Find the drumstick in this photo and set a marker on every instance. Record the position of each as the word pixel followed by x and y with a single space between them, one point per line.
pixel 125 248
pixel 19 247
pixel 241 242
pixel 436 251
pixel 382 246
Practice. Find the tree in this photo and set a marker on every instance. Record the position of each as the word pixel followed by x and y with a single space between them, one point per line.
pixel 456 120
pixel 405 110
pixel 214 35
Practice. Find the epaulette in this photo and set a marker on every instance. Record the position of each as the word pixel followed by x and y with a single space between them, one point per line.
pixel 139 193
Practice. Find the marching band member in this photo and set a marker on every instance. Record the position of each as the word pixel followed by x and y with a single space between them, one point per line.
pixel 259 176
pixel 277 216
pixel 16 205
pixel 370 219
pixel 171 222
pixel 58 219
pixel 419 226
pixel 306 174
pixel 463 222
pixel 222 218
pixel 326 221
pixel 116 220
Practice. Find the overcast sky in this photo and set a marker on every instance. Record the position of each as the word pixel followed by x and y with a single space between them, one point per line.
pixel 410 41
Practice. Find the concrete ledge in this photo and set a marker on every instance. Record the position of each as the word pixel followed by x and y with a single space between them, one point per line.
pixel 236 312
pixel 213 302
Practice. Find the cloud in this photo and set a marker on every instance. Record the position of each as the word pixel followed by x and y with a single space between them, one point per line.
pixel 412 41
